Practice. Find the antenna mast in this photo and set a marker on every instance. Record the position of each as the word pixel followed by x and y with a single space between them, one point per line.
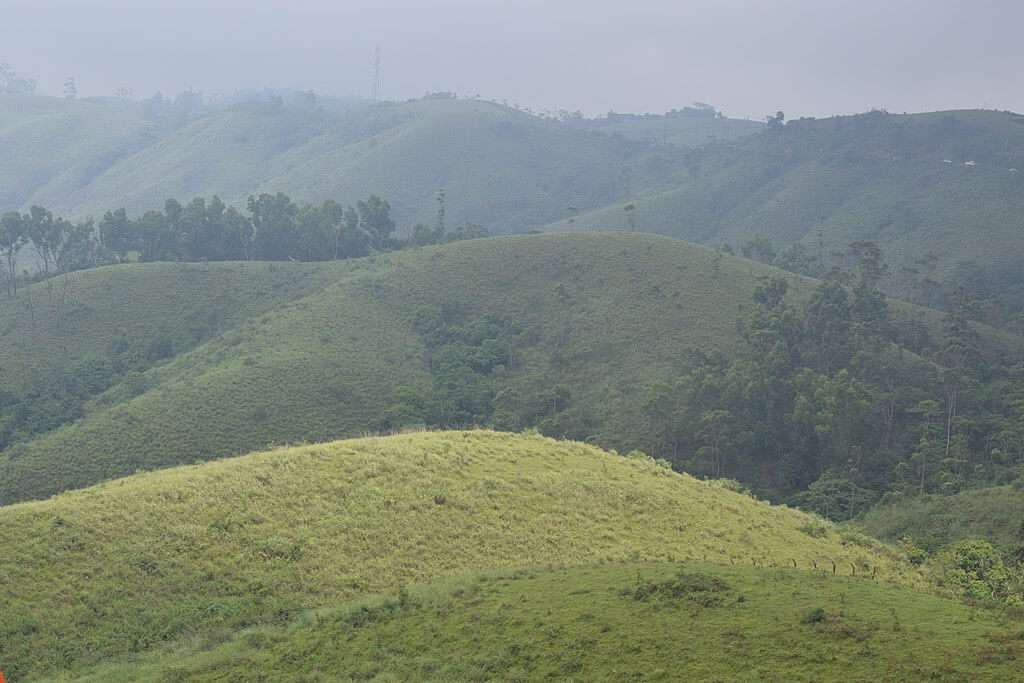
pixel 376 73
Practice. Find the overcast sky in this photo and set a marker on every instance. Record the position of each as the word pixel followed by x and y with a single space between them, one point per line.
pixel 807 57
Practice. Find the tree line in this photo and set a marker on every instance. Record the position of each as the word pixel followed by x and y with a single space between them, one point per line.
pixel 271 228
pixel 831 406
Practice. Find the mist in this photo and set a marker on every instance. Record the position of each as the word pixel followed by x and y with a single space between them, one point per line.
pixel 745 57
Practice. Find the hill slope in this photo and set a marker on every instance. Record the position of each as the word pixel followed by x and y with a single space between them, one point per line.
pixel 570 333
pixel 829 182
pixel 143 561
pixel 651 622
pixel 580 328
pixel 502 168
pixel 995 514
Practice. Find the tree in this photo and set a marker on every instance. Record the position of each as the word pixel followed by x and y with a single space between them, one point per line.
pixel 630 210
pixel 714 433
pixel 274 227
pixel 46 235
pixel 375 219
pixel 13 235
pixel 118 234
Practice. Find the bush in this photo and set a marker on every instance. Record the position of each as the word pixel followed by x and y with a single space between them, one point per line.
pixel 814 616
pixel 975 569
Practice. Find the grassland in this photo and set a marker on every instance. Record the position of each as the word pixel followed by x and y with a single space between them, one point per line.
pixel 830 182
pixel 282 353
pixel 189 552
pixel 701 622
pixel 325 356
pixel 502 168
pixel 70 320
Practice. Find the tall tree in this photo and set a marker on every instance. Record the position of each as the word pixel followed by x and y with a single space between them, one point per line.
pixel 13 235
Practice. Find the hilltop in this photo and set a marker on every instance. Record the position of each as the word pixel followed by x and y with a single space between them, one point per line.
pixel 195 551
pixel 941 183
pixel 504 168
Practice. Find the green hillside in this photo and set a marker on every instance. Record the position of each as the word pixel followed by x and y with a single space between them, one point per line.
pixel 579 347
pixel 502 168
pixel 995 513
pixel 651 622
pixel 194 552
pixel 177 363
pixel 829 182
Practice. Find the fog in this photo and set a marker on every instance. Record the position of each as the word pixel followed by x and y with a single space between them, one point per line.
pixel 745 57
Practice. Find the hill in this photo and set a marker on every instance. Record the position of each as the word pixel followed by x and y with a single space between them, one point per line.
pixel 506 169
pixel 995 513
pixel 941 183
pixel 570 331
pixel 630 621
pixel 142 366
pixel 689 127
pixel 195 551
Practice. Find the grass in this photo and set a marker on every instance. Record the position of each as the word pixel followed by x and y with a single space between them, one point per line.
pixel 321 351
pixel 933 521
pixel 140 562
pixel 505 169
pixel 283 353
pixel 834 181
pixel 612 622
pixel 72 319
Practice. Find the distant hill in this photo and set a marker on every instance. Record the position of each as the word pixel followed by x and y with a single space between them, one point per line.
pixel 614 622
pixel 949 184
pixel 506 169
pixel 689 127
pixel 190 554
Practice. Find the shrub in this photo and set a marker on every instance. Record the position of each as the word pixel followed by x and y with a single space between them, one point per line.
pixel 702 589
pixel 975 569
pixel 814 616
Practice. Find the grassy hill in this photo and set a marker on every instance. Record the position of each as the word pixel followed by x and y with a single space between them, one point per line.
pixel 195 551
pixel 995 513
pixel 331 348
pixel 200 361
pixel 823 183
pixel 616 622
pixel 829 182
pixel 505 169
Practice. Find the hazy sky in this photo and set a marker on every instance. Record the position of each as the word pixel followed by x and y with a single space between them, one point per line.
pixel 747 57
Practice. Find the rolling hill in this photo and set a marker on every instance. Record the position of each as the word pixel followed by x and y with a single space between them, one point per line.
pixel 591 322
pixel 201 361
pixel 653 622
pixel 946 183
pixel 505 169
pixel 197 552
